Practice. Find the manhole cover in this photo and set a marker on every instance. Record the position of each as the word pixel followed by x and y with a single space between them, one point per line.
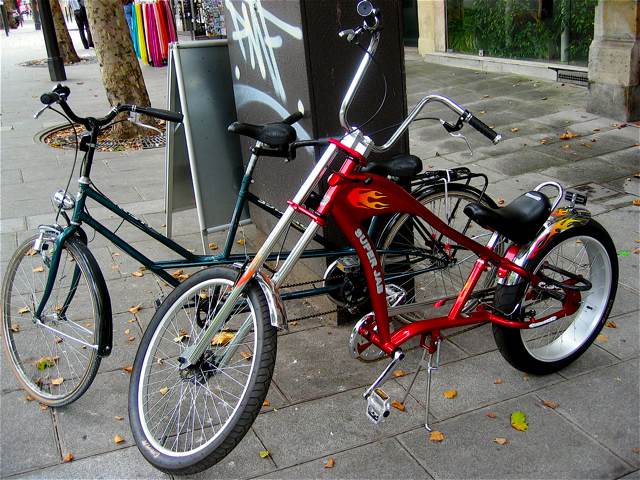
pixel 65 138
pixel 42 62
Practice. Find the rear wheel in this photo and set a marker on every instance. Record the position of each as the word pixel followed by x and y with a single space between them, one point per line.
pixel 56 359
pixel 185 421
pixel 586 250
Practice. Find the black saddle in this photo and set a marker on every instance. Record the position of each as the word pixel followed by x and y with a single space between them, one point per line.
pixel 276 135
pixel 519 221
pixel 402 166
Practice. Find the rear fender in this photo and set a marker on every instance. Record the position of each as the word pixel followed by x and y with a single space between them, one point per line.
pixel 560 220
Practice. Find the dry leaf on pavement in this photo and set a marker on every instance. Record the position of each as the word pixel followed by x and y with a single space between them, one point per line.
pixel 515 129
pixel 163 391
pixel 602 337
pixel 242 241
pixel 128 369
pixel 568 135
pixel 68 458
pixel 491 414
pixel 551 404
pixel 398 406
pixel 24 310
pixel 117 439
pixel 497 381
pixel 399 373
pixel 450 394
pixel 501 440
pixel 118 417
pixel 330 463
pixel 15 328
pixel 137 273
pixel 213 246
pixel 246 355
pixel 57 381
pixel 264 453
pixel 266 403
pixel 611 324
pixel 38 269
pixel 636 202
pixel 436 436
pixel 519 421
pixel 135 309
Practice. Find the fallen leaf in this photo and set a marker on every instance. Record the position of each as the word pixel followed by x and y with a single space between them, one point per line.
pixel 330 463
pixel 398 406
pixel 29 398
pixel 519 421
pixel 611 324
pixel 436 436
pixel 636 202
pixel 515 129
pixel 45 362
pixel 127 331
pixel 57 381
pixel 163 391
pixel 43 407
pixel 543 141
pixel 135 309
pixel 203 295
pixel 137 273
pixel 160 361
pixel 450 394
pixel 242 241
pixel 116 254
pixel 483 112
pixel 551 404
pixel 131 320
pixel 623 253
pixel 596 129
pixel 525 377
pixel 38 269
pixel 181 338
pixel 246 355
pixel 220 339
pixel 128 369
pixel 15 328
pixel 636 251
pixel 31 252
pixel 568 135
pixel 118 417
pixel 213 246
pixel 497 381
pixel 58 339
pixel 117 439
pixel 491 414
pixel 68 458
pixel 399 373
pixel 602 338
pixel 566 147
pixel 131 339
pixel 24 310
pixel 266 403
pixel 264 453
pixel 293 323
pixel 501 440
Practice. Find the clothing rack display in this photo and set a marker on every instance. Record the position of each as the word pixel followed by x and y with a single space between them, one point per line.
pixel 152 29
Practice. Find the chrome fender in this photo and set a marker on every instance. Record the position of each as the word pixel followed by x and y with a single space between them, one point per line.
pixel 560 220
pixel 277 311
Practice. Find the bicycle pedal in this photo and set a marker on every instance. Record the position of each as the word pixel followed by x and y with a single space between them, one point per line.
pixel 349 264
pixel 378 405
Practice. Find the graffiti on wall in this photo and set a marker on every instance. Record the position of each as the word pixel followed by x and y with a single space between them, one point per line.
pixel 260 34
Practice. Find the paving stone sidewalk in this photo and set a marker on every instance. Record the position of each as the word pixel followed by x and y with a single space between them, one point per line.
pixel 316 407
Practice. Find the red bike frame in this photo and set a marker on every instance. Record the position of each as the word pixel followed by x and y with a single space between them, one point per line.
pixel 353 198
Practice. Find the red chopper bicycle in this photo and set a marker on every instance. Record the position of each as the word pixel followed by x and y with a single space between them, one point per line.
pixel 204 365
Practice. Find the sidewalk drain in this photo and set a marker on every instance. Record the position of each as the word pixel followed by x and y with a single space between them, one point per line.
pixel 64 138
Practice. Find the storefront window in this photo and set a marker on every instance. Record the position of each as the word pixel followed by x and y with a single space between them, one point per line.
pixel 546 30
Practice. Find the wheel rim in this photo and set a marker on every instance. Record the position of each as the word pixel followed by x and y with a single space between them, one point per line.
pixel 559 339
pixel 444 280
pixel 53 365
pixel 212 396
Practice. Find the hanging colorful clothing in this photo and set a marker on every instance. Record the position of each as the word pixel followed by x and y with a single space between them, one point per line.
pixel 152 31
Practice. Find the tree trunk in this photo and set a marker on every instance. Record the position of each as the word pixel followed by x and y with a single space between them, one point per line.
pixel 67 50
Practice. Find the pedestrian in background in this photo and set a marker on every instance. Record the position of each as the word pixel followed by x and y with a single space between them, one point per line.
pixel 82 21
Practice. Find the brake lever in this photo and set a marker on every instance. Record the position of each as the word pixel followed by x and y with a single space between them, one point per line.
pixel 39 112
pixel 134 117
pixel 453 128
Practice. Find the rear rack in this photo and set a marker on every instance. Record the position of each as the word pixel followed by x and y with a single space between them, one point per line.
pixel 458 174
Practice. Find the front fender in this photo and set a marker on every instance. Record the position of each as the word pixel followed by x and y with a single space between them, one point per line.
pixel 560 220
pixel 277 311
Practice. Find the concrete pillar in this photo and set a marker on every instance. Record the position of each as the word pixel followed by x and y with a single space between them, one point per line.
pixel 614 60
pixel 432 26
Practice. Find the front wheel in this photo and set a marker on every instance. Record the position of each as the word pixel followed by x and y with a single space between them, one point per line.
pixel 56 358
pixel 586 250
pixel 185 421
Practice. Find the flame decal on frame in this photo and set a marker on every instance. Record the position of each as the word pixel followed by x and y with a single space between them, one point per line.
pixel 365 198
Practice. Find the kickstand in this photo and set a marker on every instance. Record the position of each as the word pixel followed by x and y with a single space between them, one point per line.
pixel 430 366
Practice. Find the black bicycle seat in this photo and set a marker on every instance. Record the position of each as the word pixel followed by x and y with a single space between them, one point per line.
pixel 276 135
pixel 519 221
pixel 403 166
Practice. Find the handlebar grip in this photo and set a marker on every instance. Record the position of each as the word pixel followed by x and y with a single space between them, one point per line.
pixel 293 118
pixel 167 115
pixel 62 90
pixel 484 129
pixel 49 98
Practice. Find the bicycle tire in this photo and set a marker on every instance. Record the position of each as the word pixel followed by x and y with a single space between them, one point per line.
pixel 60 350
pixel 158 451
pixel 516 345
pixel 433 199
